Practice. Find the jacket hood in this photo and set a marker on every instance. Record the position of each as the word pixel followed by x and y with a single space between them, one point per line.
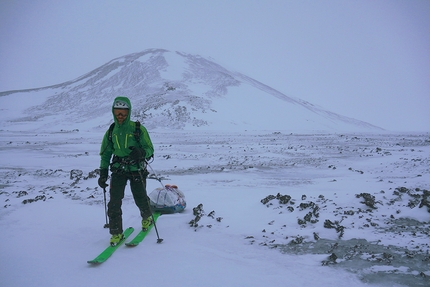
pixel 124 99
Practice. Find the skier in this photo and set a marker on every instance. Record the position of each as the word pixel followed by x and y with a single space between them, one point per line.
pixel 130 145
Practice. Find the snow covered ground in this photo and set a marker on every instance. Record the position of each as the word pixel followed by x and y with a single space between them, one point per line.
pixel 289 210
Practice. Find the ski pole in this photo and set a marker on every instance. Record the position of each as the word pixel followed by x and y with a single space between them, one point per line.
pixel 159 240
pixel 106 216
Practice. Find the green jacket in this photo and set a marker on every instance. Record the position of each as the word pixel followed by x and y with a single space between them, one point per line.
pixel 122 139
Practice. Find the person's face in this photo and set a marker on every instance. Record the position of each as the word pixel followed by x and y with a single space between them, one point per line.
pixel 120 115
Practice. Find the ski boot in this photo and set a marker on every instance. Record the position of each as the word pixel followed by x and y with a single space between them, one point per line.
pixel 116 238
pixel 146 223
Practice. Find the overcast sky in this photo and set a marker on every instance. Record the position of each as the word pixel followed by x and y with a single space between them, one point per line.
pixel 366 59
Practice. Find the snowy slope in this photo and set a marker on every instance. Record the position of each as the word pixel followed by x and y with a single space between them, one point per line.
pixel 170 90
pixel 52 212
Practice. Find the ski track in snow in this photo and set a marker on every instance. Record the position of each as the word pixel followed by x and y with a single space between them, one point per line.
pixel 351 212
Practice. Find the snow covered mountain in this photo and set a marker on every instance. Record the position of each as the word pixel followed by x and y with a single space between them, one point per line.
pixel 169 90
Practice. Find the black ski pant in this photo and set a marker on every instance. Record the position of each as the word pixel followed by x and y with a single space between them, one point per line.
pixel 117 188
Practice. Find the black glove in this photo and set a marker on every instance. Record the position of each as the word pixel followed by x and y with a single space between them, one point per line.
pixel 103 177
pixel 137 153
